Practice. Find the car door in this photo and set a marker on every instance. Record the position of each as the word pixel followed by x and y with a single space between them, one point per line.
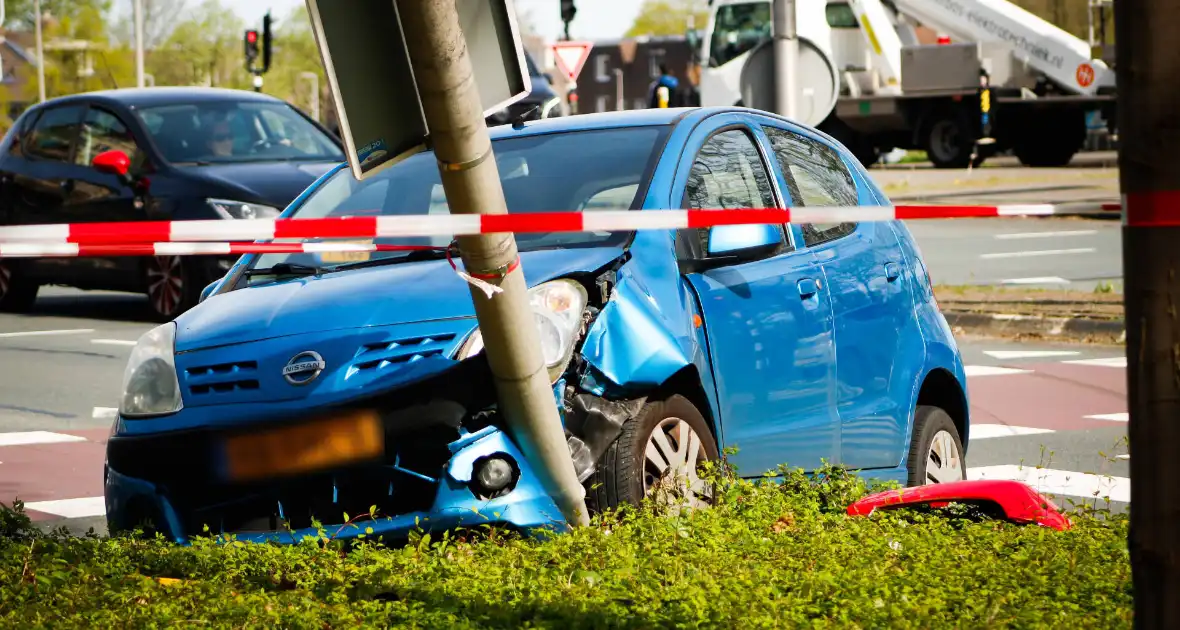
pixel 768 323
pixel 98 197
pixel 40 181
pixel 862 267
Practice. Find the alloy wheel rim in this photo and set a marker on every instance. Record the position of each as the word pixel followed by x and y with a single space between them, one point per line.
pixel 672 456
pixel 165 284
pixel 944 463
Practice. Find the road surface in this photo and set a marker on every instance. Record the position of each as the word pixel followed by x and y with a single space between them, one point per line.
pixel 61 370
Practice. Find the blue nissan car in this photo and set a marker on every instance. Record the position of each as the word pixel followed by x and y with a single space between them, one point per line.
pixel 309 386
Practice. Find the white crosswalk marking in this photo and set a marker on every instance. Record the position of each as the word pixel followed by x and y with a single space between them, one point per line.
pixel 1114 362
pixel 991 370
pixel 71 508
pixel 1059 482
pixel 26 438
pixel 1029 354
pixel 987 431
pixel 1111 417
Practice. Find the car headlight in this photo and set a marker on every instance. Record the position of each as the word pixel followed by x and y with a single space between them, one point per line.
pixel 230 209
pixel 557 309
pixel 551 108
pixel 150 387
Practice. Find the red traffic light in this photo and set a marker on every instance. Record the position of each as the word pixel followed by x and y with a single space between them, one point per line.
pixel 251 36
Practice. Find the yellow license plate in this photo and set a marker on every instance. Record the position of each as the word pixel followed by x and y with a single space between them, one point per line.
pixel 350 437
pixel 347 257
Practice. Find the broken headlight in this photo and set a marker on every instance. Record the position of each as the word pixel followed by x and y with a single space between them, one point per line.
pixel 558 307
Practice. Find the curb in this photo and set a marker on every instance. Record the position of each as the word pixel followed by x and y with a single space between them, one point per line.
pixel 1068 328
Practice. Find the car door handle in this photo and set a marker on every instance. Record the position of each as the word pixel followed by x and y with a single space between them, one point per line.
pixel 807 287
pixel 892 271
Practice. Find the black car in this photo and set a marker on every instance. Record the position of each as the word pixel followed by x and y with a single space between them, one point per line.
pixel 541 102
pixel 167 154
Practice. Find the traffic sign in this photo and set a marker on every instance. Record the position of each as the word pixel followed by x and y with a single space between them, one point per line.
pixel 571 56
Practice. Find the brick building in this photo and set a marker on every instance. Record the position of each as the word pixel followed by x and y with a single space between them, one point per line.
pixel 631 64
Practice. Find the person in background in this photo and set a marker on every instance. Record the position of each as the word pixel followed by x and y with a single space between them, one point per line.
pixel 664 91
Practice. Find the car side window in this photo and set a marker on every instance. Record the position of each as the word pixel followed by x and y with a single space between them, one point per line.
pixel 53 134
pixel 728 173
pixel 817 177
pixel 103 131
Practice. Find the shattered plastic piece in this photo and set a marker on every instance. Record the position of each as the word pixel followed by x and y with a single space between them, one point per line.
pixel 1019 502
pixel 583 459
pixel 597 422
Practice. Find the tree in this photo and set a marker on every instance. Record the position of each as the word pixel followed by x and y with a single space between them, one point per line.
pixel 205 49
pixel 295 53
pixel 18 14
pixel 159 18
pixel 668 17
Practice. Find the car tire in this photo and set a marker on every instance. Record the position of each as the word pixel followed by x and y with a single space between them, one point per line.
pixel 626 474
pixel 172 288
pixel 936 452
pixel 17 295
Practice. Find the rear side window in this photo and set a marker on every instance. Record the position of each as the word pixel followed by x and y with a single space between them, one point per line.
pixel 53 134
pixel 816 177
pixel 103 131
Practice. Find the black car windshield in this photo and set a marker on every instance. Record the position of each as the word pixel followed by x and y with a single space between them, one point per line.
pixel 585 171
pixel 228 131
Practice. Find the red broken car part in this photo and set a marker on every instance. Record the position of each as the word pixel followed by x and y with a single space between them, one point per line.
pixel 1020 503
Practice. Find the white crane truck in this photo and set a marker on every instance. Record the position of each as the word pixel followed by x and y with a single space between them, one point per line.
pixel 1009 81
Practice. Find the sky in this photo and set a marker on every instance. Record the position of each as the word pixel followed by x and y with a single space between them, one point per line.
pixel 596 19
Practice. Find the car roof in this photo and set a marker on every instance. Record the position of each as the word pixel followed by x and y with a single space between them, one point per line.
pixel 152 96
pixel 628 118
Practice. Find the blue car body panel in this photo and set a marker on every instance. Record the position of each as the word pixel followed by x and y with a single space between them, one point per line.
pixel 812 354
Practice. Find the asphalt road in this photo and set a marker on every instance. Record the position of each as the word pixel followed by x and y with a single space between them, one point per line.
pixel 61 372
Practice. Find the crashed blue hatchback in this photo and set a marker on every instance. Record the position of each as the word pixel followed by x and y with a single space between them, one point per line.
pixel 306 387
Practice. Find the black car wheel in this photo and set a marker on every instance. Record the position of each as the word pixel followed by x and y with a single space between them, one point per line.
pixel 658 454
pixel 17 295
pixel 936 452
pixel 170 289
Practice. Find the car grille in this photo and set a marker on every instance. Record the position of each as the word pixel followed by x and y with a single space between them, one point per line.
pixel 387 355
pixel 223 378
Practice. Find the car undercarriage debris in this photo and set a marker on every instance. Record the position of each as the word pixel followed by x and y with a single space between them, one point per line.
pixel 594 423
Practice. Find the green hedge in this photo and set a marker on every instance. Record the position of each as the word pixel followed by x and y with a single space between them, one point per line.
pixel 768 555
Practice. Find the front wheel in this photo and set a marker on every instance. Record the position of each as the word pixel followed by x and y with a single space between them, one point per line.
pixel 936 452
pixel 172 288
pixel 658 453
pixel 17 295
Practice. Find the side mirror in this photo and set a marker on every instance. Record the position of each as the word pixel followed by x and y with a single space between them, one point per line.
pixel 113 162
pixel 733 244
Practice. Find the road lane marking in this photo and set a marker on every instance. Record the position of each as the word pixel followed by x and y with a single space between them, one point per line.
pixel 1029 354
pixel 991 370
pixel 988 431
pixel 1124 457
pixel 1040 280
pixel 38 333
pixel 1114 362
pixel 26 438
pixel 113 342
pixel 1039 252
pixel 1059 482
pixel 71 508
pixel 1022 235
pixel 104 412
pixel 1112 417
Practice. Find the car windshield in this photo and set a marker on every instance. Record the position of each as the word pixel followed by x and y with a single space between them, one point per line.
pixel 236 131
pixel 582 171
pixel 737 29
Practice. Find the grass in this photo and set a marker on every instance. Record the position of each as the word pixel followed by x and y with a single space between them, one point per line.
pixel 769 554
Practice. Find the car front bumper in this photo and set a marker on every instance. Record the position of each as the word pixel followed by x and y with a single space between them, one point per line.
pixel 131 500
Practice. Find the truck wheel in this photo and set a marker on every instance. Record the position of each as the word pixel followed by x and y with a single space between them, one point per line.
pixel 949 140
pixel 1052 139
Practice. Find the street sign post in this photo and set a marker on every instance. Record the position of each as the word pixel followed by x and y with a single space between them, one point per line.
pixel 408 74
pixel 378 100
pixel 570 57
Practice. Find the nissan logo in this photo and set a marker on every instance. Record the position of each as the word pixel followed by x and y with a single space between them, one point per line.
pixel 304 368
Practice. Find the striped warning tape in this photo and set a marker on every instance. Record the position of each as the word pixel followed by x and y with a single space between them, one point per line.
pixel 68 250
pixel 222 231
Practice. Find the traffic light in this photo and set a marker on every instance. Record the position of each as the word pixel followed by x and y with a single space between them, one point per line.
pixel 251 48
pixel 266 41
pixel 568 11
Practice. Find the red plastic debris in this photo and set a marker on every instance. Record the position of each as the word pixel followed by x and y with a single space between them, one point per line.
pixel 1020 503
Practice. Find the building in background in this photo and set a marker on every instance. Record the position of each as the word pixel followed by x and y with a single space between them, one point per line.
pixel 629 65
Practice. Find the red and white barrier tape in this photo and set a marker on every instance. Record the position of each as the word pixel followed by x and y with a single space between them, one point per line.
pixel 67 250
pixel 462 225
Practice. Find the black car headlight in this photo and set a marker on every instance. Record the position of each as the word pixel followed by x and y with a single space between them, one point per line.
pixel 230 209
pixel 150 386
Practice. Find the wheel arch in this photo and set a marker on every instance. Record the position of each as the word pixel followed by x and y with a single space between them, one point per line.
pixel 941 389
pixel 687 382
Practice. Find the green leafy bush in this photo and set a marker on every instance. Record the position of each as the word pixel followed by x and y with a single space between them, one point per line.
pixel 768 555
